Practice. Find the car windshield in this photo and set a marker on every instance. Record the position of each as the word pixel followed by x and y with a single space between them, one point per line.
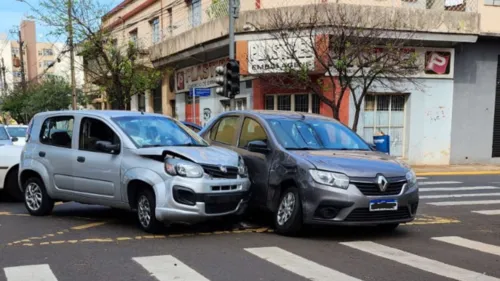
pixel 156 131
pixel 3 134
pixel 315 134
pixel 18 132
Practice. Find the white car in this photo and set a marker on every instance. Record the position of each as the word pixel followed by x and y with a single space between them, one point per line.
pixel 17 134
pixel 9 167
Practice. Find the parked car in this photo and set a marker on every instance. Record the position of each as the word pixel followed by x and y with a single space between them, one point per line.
pixel 310 169
pixel 5 139
pixel 9 167
pixel 17 134
pixel 145 162
pixel 193 126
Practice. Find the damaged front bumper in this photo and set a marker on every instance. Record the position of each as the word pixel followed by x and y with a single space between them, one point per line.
pixel 191 200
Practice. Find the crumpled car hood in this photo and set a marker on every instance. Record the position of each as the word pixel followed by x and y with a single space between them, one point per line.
pixel 211 155
pixel 355 163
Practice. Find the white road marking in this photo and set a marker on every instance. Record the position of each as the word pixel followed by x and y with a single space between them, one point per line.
pixel 409 259
pixel 488 212
pixel 438 182
pixel 465 188
pixel 38 272
pixel 421 178
pixel 458 195
pixel 461 203
pixel 298 265
pixel 471 244
pixel 168 268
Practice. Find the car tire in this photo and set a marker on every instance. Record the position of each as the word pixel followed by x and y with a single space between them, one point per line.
pixel 388 227
pixel 288 215
pixel 12 186
pixel 36 199
pixel 146 205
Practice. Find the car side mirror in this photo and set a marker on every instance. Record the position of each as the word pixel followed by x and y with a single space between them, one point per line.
pixel 108 147
pixel 258 146
pixel 14 139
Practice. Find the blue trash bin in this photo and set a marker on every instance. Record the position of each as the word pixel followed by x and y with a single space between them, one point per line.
pixel 382 143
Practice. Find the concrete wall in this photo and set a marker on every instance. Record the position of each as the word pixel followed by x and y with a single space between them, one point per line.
pixel 428 120
pixel 489 18
pixel 474 102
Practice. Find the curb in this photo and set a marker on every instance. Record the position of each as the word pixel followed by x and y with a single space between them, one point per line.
pixel 458 173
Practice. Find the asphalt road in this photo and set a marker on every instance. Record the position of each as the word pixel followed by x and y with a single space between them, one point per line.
pixel 456 237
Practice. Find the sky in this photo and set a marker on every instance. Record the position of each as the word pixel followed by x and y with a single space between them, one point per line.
pixel 12 12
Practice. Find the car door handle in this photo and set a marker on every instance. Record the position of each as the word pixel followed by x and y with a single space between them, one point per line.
pixel 80 159
pixel 41 153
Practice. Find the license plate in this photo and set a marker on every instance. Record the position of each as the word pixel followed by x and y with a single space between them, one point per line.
pixel 383 205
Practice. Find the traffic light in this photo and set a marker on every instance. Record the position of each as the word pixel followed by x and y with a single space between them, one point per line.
pixel 233 78
pixel 221 81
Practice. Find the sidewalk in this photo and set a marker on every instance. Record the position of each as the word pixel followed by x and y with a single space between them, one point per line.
pixel 457 170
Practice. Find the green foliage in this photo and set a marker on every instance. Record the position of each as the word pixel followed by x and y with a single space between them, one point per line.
pixel 120 71
pixel 52 93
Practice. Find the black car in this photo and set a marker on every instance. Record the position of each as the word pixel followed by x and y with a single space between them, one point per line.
pixel 311 169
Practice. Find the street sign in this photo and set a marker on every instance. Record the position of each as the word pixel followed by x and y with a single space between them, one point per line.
pixel 200 92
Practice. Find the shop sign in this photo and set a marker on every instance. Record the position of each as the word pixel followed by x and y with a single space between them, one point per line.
pixel 431 63
pixel 197 76
pixel 270 56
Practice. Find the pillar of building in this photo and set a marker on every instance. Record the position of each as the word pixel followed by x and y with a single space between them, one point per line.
pixel 134 103
pixel 149 101
pixel 167 95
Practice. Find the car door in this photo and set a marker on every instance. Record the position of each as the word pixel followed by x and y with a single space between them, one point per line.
pixel 225 131
pixel 97 172
pixel 55 150
pixel 258 163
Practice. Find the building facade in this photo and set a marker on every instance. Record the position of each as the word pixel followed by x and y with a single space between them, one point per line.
pixel 435 122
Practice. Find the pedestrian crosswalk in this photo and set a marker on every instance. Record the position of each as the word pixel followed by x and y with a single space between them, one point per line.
pixel 457 194
pixel 168 267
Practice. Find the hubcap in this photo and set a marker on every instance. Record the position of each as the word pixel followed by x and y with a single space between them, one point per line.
pixel 144 211
pixel 286 208
pixel 33 196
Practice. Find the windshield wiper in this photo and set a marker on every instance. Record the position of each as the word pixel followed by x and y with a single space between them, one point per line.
pixel 190 144
pixel 301 148
pixel 352 149
pixel 152 145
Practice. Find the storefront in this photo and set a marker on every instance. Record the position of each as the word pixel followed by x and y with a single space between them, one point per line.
pixel 418 117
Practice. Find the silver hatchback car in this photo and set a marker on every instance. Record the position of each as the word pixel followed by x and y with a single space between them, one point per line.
pixel 149 163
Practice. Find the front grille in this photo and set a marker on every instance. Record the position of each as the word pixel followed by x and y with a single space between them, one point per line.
pixel 364 214
pixel 370 187
pixel 224 187
pixel 217 208
pixel 216 172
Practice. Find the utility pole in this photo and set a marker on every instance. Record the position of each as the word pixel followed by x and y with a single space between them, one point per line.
pixel 71 53
pixel 21 55
pixel 2 75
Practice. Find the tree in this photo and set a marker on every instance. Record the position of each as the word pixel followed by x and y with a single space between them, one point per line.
pixel 119 70
pixel 332 50
pixel 51 93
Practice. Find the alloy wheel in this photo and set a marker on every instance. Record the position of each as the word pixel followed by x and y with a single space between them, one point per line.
pixel 286 208
pixel 144 211
pixel 33 196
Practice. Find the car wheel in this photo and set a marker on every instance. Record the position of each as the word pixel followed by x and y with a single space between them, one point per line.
pixel 12 186
pixel 288 216
pixel 388 227
pixel 36 199
pixel 146 206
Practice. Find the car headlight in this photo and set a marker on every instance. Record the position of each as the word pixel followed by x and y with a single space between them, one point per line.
pixel 183 168
pixel 330 178
pixel 411 177
pixel 242 168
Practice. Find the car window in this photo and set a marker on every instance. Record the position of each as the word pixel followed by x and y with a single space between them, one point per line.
pixel 193 128
pixel 156 131
pixel 18 132
pixel 3 134
pixel 226 129
pixel 93 130
pixel 251 131
pixel 57 131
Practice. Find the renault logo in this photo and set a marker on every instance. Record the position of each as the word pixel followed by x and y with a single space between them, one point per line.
pixel 223 169
pixel 382 183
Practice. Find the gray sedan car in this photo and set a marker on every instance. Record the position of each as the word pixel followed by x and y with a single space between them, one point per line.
pixel 310 169
pixel 149 163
